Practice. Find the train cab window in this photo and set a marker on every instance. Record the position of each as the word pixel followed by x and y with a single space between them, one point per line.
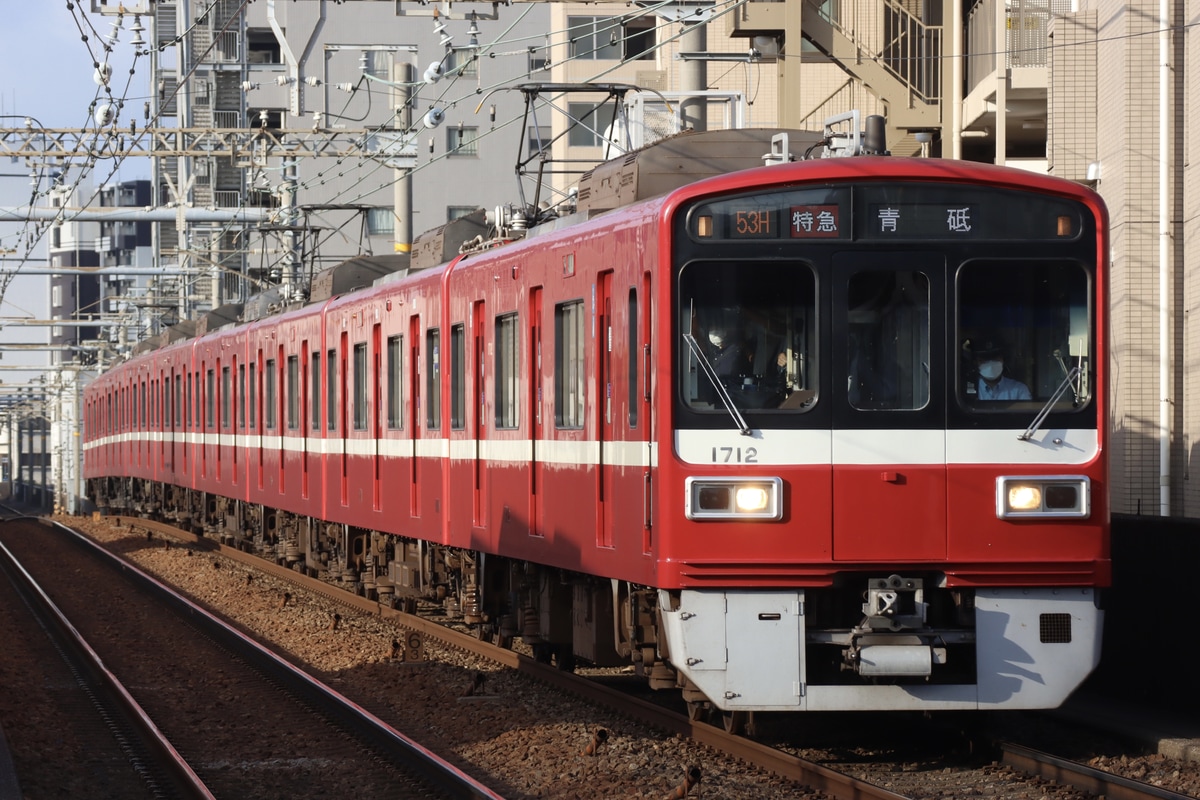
pixel 395 373
pixel 433 379
pixel 887 320
pixel 570 380
pixel 360 386
pixel 508 386
pixel 747 336
pixel 1024 335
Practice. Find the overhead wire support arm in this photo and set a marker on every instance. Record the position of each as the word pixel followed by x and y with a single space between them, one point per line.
pixel 49 143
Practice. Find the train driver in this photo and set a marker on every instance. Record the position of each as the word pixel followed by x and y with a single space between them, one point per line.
pixel 993 383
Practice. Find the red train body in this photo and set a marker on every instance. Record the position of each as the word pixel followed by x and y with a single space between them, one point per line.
pixel 546 436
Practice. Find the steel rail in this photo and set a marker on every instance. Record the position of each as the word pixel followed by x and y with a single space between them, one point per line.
pixel 76 649
pixel 437 771
pixel 1082 777
pixel 786 765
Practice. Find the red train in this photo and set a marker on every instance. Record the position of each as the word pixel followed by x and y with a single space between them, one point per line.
pixel 821 435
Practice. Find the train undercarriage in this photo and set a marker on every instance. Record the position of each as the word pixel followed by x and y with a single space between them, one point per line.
pixel 886 641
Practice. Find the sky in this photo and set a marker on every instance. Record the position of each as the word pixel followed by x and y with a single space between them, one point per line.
pixel 46 73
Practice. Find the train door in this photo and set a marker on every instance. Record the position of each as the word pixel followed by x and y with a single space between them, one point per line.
pixel 475 418
pixel 376 414
pixel 536 417
pixel 302 421
pixel 414 412
pixel 605 476
pixel 889 438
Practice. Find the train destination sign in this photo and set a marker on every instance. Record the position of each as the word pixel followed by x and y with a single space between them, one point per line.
pixel 904 212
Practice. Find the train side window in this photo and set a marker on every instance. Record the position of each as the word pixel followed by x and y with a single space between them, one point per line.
pixel 458 377
pixel 331 389
pixel 210 395
pixel 1024 332
pixel 634 358
pixel 315 390
pixel 360 386
pixel 570 381
pixel 269 394
pixel 242 396
pixel 253 395
pixel 508 391
pixel 226 396
pixel 887 317
pixel 395 373
pixel 433 379
pixel 293 392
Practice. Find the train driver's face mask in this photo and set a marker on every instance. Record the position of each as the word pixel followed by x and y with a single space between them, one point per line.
pixel 717 337
pixel 990 370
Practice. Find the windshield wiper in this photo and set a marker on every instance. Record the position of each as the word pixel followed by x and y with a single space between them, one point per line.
pixel 1054 398
pixel 714 379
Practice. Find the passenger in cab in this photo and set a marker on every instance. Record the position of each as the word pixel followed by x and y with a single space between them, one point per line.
pixel 993 383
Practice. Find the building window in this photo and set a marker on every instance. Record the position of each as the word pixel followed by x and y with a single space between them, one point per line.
pixel 508 389
pixel 262 47
pixel 639 38
pixel 461 61
pixel 458 212
pixel 615 38
pixel 462 141
pixel 593 122
pixel 379 63
pixel 381 221
pixel 360 386
pixel 594 37
pixel 537 138
pixel 56 296
pixel 569 378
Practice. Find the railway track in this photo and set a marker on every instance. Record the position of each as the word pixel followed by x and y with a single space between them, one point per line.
pixel 1020 770
pixel 215 712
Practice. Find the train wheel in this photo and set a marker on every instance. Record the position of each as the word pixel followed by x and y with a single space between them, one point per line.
pixel 736 722
pixel 697 710
pixel 543 652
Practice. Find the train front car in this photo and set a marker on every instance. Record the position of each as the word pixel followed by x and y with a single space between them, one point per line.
pixel 885 486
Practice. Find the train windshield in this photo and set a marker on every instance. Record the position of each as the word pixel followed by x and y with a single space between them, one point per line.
pixel 1024 334
pixel 753 331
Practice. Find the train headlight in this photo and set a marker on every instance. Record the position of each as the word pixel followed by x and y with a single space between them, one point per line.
pixel 1021 497
pixel 734 498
